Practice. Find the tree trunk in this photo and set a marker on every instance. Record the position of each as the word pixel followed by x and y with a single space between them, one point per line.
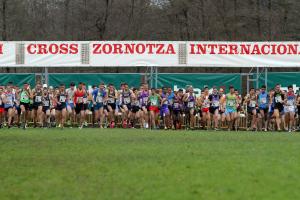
pixel 270 20
pixel 235 19
pixel 258 19
pixel 66 17
pixel 4 31
pixel 101 24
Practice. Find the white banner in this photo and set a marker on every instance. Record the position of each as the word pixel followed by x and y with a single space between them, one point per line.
pixel 149 53
pixel 244 54
pixel 133 53
pixel 52 54
pixel 7 54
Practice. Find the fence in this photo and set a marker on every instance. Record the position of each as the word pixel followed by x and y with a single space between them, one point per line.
pixel 174 80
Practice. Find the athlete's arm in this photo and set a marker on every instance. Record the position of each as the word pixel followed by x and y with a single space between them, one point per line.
pixel 4 98
pixel 75 98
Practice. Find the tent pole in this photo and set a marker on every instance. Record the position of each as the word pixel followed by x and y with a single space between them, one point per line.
pixel 257 77
pixel 248 84
pixel 266 78
pixel 46 76
pixel 156 76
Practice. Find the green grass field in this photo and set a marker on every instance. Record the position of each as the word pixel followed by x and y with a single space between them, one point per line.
pixel 139 164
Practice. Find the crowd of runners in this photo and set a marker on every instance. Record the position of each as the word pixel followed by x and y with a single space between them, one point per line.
pixel 150 108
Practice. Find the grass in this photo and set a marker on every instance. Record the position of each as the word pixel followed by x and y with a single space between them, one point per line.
pixel 138 164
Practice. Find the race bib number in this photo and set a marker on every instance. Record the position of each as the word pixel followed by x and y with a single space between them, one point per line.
pixel 127 100
pixel 278 99
pixel 205 103
pixel 9 101
pixel 38 99
pixel 176 105
pixel 79 99
pixel 110 100
pixel 230 103
pixel 99 99
pixel 190 104
pixel 252 104
pixel 290 102
pixel 136 103
pixel 216 103
pixel 145 100
pixel 263 100
pixel 46 103
pixel 62 99
pixel 84 100
pixel 154 102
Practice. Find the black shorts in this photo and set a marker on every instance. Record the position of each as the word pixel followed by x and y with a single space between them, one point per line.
pixel 112 105
pixel 37 105
pixel 30 107
pixel 135 109
pixel 177 112
pixel 146 106
pixel 79 107
pixel 92 109
pixel 266 110
pixel 212 110
pixel 127 105
pixel 279 107
pixel 298 107
pixel 86 106
pixel 26 105
pixel 239 109
pixel 45 108
pixel 250 109
pixel 6 109
pixel 61 107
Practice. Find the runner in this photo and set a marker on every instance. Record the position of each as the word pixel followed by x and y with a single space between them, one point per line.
pixel 8 99
pixel 290 102
pixel 143 96
pixel 79 95
pixel 230 101
pixel 111 96
pixel 239 108
pixel 222 107
pixel 61 107
pixel 52 106
pixel 46 108
pixel 1 107
pixel 99 95
pixel 24 104
pixel 278 98
pixel 214 108
pixel 190 99
pixel 205 106
pixel 17 114
pixel 154 102
pixel 171 96
pixel 135 108
pixel 263 99
pixel 71 115
pixel 125 100
pixel 178 109
pixel 37 94
pixel 164 109
pixel 87 98
pixel 251 102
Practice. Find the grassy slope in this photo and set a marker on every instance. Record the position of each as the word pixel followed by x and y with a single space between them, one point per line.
pixel 135 164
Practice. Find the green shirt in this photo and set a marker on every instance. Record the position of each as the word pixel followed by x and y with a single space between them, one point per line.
pixel 231 101
pixel 24 97
pixel 154 100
